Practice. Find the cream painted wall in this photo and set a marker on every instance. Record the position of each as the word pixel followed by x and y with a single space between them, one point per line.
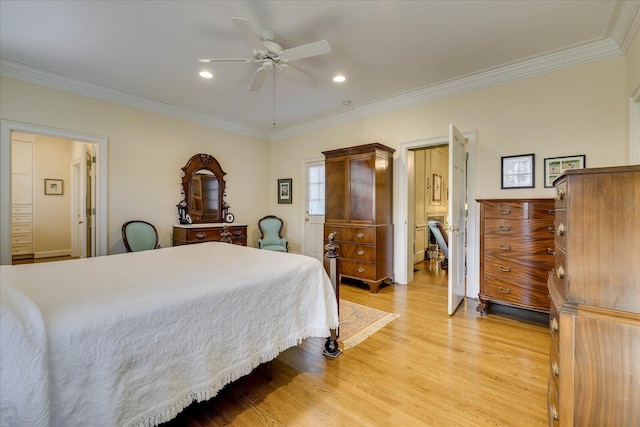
pixel 146 154
pixel 51 213
pixel 581 110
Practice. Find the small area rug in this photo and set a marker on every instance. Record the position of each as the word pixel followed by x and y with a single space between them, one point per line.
pixel 358 322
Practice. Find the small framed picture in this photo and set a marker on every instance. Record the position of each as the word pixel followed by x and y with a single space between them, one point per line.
pixel 284 191
pixel 437 187
pixel 555 166
pixel 518 171
pixel 53 187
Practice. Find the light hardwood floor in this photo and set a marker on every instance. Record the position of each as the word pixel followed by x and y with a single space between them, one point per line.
pixel 423 369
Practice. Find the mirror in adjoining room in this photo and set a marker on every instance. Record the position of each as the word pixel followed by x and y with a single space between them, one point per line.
pixel 203 187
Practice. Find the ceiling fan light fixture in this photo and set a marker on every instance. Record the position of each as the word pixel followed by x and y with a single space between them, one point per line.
pixel 206 74
pixel 339 78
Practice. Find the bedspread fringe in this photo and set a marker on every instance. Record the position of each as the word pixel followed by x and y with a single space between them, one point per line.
pixel 208 392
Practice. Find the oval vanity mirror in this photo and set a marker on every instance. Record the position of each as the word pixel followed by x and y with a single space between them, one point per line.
pixel 203 187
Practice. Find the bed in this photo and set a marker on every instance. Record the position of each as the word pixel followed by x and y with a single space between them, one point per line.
pixel 132 339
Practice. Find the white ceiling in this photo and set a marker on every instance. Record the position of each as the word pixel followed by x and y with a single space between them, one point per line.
pixel 393 53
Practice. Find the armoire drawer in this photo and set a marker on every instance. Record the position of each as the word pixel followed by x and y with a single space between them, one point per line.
pixel 365 235
pixel 18 239
pixel 360 270
pixel 356 252
pixel 21 249
pixel 504 210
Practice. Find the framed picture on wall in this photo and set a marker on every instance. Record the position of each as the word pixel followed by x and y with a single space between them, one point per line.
pixel 437 187
pixel 555 166
pixel 284 191
pixel 518 171
pixel 53 187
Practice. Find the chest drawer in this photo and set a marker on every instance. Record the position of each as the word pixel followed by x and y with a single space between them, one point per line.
pixel 505 210
pixel 525 247
pixel 519 269
pixel 518 229
pixel 517 293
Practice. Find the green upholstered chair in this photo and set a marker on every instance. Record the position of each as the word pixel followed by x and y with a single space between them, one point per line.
pixel 139 235
pixel 271 234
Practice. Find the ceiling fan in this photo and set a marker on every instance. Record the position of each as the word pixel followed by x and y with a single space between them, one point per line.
pixel 270 55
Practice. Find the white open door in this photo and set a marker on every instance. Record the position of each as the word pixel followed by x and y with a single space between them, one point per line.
pixel 313 231
pixel 456 227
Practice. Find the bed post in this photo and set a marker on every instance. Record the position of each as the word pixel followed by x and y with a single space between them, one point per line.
pixel 331 265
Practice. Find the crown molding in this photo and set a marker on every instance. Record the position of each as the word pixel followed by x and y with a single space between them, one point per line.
pixel 627 23
pixel 34 75
pixel 591 52
pixel 554 61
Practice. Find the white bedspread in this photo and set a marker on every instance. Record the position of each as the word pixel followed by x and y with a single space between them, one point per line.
pixel 132 339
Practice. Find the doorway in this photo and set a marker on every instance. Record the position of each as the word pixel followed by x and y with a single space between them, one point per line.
pixel 100 146
pixel 404 230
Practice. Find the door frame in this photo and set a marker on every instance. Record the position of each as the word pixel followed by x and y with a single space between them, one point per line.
pixel 305 200
pixel 403 258
pixel 6 127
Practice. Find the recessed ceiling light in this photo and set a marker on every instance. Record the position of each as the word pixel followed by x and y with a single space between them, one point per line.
pixel 339 78
pixel 206 75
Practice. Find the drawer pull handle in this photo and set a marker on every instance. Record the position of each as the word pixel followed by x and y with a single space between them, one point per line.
pixel 555 369
pixel 505 269
pixel 361 253
pixel 551 229
pixel 551 251
pixel 504 291
pixel 554 325
pixel 200 235
pixel 360 270
pixel 560 272
pixel 551 212
pixel 504 248
pixel 561 194
pixel 561 230
pixel 505 211
pixel 504 228
pixel 360 235
pixel 554 412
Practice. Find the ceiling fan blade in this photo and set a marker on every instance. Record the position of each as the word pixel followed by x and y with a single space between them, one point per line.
pixel 205 60
pixel 245 28
pixel 258 79
pixel 305 51
pixel 298 75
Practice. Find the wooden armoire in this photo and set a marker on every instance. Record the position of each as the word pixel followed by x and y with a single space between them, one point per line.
pixel 358 208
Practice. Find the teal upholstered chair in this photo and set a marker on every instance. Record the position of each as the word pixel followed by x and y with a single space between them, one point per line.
pixel 139 235
pixel 271 234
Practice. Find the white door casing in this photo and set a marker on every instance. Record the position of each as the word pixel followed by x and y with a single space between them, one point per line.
pixel 6 127
pixel 313 226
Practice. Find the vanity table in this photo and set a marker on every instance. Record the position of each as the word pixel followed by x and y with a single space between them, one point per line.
pixel 203 214
pixel 186 234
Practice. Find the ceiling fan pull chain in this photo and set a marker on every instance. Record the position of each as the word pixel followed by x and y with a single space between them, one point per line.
pixel 274 99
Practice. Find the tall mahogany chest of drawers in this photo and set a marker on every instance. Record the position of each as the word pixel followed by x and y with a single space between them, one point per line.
pixel 516 252
pixel 358 208
pixel 594 356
